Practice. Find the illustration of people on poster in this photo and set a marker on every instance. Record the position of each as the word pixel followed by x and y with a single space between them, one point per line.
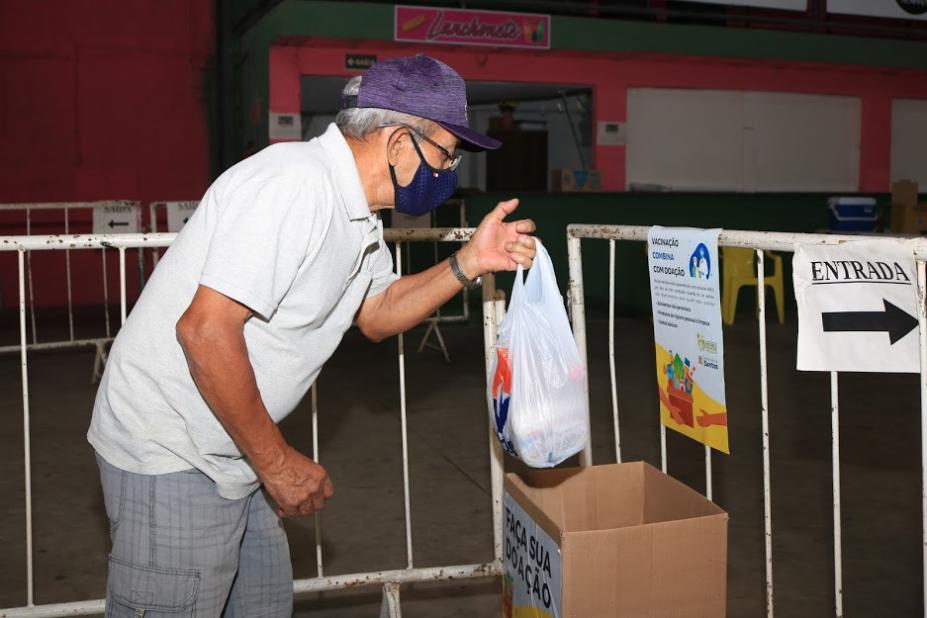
pixel 684 290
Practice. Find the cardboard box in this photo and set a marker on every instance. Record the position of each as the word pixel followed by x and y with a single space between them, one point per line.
pixel 567 180
pixel 622 540
pixel 908 217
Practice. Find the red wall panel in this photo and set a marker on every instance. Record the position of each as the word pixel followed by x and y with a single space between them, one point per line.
pixel 99 99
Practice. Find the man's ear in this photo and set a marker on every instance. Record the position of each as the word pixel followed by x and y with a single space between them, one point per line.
pixel 395 144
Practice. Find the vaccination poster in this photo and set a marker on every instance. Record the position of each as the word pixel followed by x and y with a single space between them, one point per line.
pixel 684 291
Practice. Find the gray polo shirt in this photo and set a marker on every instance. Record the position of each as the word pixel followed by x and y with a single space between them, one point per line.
pixel 288 233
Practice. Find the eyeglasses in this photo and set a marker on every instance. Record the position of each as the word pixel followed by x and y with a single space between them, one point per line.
pixel 451 161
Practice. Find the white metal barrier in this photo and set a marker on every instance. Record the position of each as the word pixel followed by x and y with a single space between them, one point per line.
pixel 66 208
pixel 177 212
pixel 759 242
pixel 391 579
pixel 440 316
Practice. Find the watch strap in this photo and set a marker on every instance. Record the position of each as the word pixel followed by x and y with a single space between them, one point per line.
pixel 455 268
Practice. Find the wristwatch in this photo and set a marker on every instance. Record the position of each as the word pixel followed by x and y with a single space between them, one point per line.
pixel 455 268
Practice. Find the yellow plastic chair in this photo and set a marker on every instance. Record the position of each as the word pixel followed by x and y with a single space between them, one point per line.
pixel 739 270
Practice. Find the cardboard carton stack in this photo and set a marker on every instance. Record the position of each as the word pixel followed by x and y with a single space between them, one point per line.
pixel 569 181
pixel 908 217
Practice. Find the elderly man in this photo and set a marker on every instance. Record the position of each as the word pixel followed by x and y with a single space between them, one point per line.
pixel 283 254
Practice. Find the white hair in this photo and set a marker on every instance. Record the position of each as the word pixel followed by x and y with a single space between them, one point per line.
pixel 359 122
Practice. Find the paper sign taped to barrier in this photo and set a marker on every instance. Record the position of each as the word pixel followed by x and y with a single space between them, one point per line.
pixel 532 571
pixel 857 307
pixel 115 220
pixel 686 303
pixel 178 213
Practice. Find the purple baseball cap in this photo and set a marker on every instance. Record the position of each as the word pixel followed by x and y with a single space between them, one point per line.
pixel 423 87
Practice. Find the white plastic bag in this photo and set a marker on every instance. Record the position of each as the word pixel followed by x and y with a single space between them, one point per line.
pixel 536 394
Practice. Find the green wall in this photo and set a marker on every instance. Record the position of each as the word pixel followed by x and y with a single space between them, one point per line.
pixel 294 18
pixel 607 35
pixel 363 21
pixel 553 212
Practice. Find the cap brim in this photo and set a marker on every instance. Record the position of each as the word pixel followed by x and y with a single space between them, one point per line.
pixel 470 139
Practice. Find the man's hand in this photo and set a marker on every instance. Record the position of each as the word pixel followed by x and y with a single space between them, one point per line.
pixel 497 245
pixel 297 484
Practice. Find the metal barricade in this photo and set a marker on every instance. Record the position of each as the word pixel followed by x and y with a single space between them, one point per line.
pixel 389 579
pixel 98 207
pixel 759 242
pixel 176 214
pixel 440 316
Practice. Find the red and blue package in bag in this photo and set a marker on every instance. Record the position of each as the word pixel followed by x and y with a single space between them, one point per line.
pixel 537 393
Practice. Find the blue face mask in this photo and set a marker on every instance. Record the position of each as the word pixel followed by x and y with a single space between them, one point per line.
pixel 429 188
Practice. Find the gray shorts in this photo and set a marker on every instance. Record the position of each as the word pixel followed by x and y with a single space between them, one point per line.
pixel 180 549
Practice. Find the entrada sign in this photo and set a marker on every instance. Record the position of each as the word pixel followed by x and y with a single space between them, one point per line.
pixel 857 307
pixel 465 27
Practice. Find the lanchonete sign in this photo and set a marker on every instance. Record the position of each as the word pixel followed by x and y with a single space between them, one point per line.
pixel 463 27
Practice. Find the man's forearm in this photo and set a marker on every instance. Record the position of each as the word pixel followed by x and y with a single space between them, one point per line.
pixel 223 373
pixel 411 299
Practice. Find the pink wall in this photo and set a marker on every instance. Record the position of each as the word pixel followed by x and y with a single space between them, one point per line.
pixel 610 76
pixel 99 99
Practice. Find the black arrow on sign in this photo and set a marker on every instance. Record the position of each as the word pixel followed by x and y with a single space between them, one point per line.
pixel 894 321
pixel 113 224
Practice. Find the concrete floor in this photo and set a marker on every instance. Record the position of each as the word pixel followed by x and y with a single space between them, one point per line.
pixel 363 526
